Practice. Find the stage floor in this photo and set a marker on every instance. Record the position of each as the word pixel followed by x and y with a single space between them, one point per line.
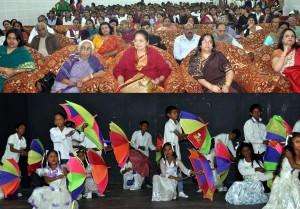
pixel 117 198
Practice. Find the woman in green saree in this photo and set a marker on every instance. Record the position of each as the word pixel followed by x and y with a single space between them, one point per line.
pixel 14 59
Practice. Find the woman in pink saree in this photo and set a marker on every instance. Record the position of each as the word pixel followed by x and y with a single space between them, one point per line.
pixel 286 59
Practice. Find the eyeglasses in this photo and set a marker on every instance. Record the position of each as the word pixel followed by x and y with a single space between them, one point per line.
pixel 85 48
pixel 207 42
pixel 11 39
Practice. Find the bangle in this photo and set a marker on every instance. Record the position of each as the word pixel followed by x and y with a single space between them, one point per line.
pixel 5 70
pixel 91 76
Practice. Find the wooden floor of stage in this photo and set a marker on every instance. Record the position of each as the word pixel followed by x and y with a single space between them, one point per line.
pixel 117 198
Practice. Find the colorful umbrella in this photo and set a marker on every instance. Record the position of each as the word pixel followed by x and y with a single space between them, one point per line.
pixel 197 131
pixel 99 170
pixel 79 116
pixel 278 129
pixel 76 177
pixel 223 161
pixel 35 156
pixel 10 177
pixel 140 162
pixel 159 143
pixel 120 143
pixel 205 180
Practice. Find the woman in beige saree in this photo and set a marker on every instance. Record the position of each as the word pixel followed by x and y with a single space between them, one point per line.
pixel 141 69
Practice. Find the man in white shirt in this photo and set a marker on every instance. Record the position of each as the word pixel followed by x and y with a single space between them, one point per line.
pixel 15 147
pixel 185 43
pixel 141 140
pixel 296 127
pixel 173 134
pixel 34 32
pixel 255 131
pixel 227 139
pixel 222 36
pixel 62 137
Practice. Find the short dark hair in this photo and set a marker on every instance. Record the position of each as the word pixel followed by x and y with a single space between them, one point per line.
pixel 201 40
pixel 61 114
pixel 91 22
pixel 20 124
pixel 18 35
pixel 77 20
pixel 144 121
pixel 169 109
pixel 144 33
pixel 111 29
pixel 284 23
pixel 237 132
pixel 144 23
pixel 280 44
pixel 218 24
pixel 21 25
pixel 6 21
pixel 43 16
pixel 255 106
pixel 114 20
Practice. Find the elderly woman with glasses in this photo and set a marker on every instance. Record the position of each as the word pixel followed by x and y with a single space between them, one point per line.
pixel 211 68
pixel 78 69
pixel 14 59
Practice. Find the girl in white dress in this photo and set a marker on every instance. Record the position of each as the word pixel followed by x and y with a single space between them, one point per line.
pixel 251 190
pixel 285 193
pixel 56 195
pixel 131 179
pixel 164 185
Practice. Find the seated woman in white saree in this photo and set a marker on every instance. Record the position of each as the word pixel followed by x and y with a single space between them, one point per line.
pixel 164 185
pixel 78 69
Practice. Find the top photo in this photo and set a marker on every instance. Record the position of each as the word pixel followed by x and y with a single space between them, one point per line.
pixel 207 46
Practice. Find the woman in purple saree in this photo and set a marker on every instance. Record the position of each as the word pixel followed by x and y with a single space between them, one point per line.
pixel 78 69
pixel 212 69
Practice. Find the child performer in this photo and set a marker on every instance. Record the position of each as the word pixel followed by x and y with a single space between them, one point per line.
pixel 164 186
pixel 173 134
pixel 90 184
pixel 56 195
pixel 15 147
pixel 251 190
pixel 131 179
pixel 285 191
pixel 62 137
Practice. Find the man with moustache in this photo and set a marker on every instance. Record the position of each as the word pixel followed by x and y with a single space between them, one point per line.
pixel 185 43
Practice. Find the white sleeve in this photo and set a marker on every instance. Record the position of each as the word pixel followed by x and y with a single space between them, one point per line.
pixel 24 144
pixel 76 136
pixel 10 140
pixel 33 33
pixel 56 137
pixel 296 127
pixel 162 165
pixel 176 50
pixel 133 140
pixel 231 148
pixel 150 143
pixel 235 43
pixel 68 34
pixel 249 134
pixel 245 170
pixel 183 168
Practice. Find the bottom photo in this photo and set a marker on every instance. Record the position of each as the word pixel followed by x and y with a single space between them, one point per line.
pixel 150 151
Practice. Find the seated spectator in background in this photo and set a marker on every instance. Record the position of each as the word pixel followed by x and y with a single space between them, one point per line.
pixel 286 58
pixel 52 19
pixel 68 18
pixel 229 30
pixel 2 37
pixel 14 59
pixel 127 33
pixel 181 18
pixel 243 20
pixel 62 5
pixel 99 20
pixel 90 29
pixel 6 25
pixel 141 65
pixel 159 21
pixel 33 33
pixel 185 43
pixel 272 38
pixel 78 69
pixel 107 43
pixel 114 24
pixel 275 24
pixel 19 26
pixel 86 16
pixel 154 40
pixel 293 25
pixel 13 21
pixel 79 5
pixel 211 17
pixel 132 25
pixel 167 25
pixel 267 17
pixel 121 15
pixel 222 36
pixel 212 69
pixel 72 5
pixel 193 20
pixel 257 13
pixel 251 27
pixel 75 33
pixel 45 42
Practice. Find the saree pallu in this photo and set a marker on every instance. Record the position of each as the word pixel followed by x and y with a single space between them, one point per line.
pixel 19 59
pixel 140 83
pixel 111 44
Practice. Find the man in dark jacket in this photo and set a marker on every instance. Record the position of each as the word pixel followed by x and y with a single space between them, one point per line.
pixel 45 43
pixel 153 39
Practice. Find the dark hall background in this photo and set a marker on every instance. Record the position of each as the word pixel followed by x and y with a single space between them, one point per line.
pixel 222 112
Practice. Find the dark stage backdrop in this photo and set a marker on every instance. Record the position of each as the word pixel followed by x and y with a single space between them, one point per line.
pixel 222 112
